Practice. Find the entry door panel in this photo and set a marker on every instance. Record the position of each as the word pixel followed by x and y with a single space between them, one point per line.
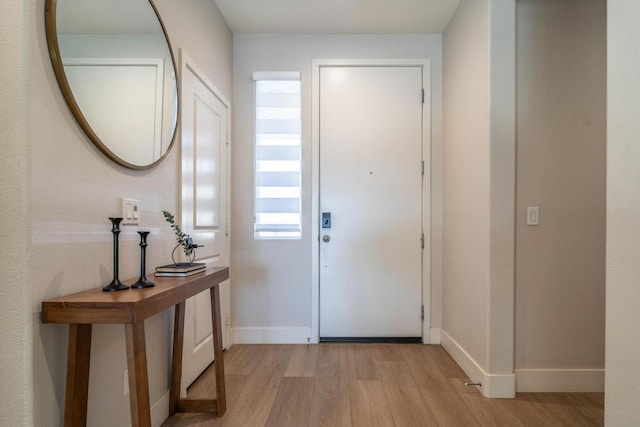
pixel 371 183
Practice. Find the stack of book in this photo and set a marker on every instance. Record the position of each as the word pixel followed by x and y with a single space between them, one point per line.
pixel 180 270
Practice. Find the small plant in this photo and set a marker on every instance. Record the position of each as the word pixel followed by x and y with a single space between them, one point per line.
pixel 184 240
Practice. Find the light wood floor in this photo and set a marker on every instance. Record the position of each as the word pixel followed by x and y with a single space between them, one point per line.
pixel 371 385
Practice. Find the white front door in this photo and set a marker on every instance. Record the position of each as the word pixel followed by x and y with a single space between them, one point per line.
pixel 371 184
pixel 205 207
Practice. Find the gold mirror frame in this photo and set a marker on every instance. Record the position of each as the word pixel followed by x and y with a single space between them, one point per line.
pixel 58 68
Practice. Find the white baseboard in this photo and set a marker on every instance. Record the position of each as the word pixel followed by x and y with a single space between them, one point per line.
pixel 275 335
pixel 493 385
pixel 560 380
pixel 160 410
pixel 434 337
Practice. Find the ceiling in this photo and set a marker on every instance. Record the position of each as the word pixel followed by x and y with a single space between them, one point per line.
pixel 337 16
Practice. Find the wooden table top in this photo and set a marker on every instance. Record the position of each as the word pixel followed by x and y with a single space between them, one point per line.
pixel 131 305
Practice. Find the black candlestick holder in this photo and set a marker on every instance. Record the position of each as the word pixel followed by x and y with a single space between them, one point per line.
pixel 116 284
pixel 143 282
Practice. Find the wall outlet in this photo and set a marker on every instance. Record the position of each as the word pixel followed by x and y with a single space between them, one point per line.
pixel 125 384
pixel 130 211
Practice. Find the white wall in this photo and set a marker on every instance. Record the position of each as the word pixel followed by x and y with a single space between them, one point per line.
pixel 62 190
pixel 272 279
pixel 199 28
pixel 466 178
pixel 502 66
pixel 479 193
pixel 622 397
pixel 16 394
pixel 560 268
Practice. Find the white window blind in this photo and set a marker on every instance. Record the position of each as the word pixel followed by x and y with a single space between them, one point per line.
pixel 278 138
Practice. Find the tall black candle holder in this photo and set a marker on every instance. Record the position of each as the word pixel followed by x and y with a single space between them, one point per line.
pixel 116 284
pixel 143 282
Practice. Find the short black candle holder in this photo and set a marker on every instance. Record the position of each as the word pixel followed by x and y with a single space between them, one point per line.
pixel 143 282
pixel 116 284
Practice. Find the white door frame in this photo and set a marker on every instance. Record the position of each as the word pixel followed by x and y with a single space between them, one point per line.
pixel 315 183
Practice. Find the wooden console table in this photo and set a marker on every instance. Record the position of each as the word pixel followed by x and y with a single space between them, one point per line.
pixel 131 307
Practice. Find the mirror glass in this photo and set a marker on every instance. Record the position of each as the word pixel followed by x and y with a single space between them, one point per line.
pixel 116 70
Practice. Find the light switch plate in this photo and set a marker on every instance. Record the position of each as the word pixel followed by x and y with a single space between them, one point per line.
pixel 533 215
pixel 130 211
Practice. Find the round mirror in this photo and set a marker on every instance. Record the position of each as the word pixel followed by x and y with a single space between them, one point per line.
pixel 114 64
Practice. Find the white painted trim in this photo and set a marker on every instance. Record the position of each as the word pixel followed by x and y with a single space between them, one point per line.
pixel 427 181
pixel 271 335
pixel 425 63
pixel 187 62
pixel 462 358
pixel 499 386
pixel 276 75
pixel 315 201
pixel 560 380
pixel 493 385
pixel 160 410
pixel 370 62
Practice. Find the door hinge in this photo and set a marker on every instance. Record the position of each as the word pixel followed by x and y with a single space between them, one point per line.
pixel 422 240
pixel 423 95
pixel 422 315
pixel 423 168
pixel 226 229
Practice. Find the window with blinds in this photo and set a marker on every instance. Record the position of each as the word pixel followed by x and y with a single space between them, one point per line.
pixel 278 140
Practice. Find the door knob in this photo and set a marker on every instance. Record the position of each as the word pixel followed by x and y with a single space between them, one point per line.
pixel 326 238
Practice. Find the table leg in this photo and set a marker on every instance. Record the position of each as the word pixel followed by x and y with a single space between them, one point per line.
pixel 138 377
pixel 185 404
pixel 221 401
pixel 78 354
pixel 176 360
